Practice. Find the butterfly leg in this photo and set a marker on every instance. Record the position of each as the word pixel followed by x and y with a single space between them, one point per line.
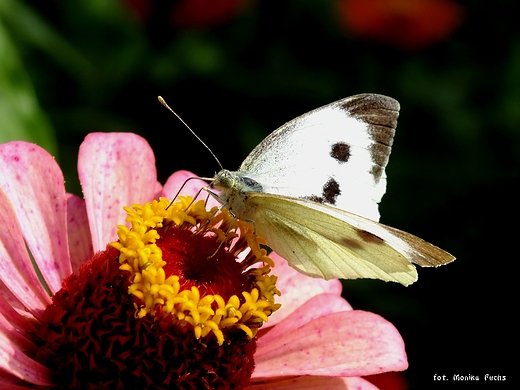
pixel 226 235
pixel 222 205
pixel 252 222
pixel 180 189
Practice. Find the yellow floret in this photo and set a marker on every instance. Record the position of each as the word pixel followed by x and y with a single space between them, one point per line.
pixel 208 315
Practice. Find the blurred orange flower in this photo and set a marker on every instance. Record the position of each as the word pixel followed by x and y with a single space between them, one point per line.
pixel 204 13
pixel 141 9
pixel 186 13
pixel 409 24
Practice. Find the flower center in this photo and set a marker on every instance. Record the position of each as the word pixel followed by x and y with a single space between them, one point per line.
pixel 182 262
pixel 167 305
pixel 199 262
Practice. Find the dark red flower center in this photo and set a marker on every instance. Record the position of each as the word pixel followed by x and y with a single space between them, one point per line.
pixel 167 306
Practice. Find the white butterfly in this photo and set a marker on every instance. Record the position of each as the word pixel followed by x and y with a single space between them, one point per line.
pixel 312 189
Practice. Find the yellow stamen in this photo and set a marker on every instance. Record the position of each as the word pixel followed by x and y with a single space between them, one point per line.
pixel 157 293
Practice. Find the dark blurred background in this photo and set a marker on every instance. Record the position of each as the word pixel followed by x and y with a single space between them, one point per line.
pixel 235 70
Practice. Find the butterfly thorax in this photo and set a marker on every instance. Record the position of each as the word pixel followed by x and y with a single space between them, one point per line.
pixel 233 187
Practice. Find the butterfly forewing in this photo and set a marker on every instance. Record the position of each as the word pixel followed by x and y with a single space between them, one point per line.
pixel 334 155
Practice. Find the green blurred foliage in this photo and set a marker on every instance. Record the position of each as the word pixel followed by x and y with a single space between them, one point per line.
pixel 70 68
pixel 22 117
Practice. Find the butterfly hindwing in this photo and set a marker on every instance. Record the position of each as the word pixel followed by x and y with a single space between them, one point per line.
pixel 334 155
pixel 322 241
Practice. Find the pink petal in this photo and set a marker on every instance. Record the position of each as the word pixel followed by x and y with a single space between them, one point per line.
pixel 316 383
pixel 297 288
pixel 80 241
pixel 115 170
pixel 20 323
pixel 14 302
pixel 15 338
pixel 349 343
pixel 33 182
pixel 8 382
pixel 190 186
pixel 8 385
pixel 16 269
pixel 17 363
pixel 316 307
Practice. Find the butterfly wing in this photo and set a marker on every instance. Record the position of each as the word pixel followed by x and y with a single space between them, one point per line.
pixel 323 241
pixel 334 155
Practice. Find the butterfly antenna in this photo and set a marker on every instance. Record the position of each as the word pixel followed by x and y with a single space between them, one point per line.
pixel 163 102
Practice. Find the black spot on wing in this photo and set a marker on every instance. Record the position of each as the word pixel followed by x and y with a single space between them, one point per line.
pixel 331 190
pixel 369 237
pixel 315 198
pixel 354 244
pixel 340 151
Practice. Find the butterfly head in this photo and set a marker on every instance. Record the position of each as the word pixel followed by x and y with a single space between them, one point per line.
pixel 234 188
pixel 235 182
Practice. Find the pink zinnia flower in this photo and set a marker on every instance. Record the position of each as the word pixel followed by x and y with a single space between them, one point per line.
pixel 315 339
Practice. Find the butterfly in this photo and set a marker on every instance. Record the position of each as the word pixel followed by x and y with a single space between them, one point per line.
pixel 312 188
